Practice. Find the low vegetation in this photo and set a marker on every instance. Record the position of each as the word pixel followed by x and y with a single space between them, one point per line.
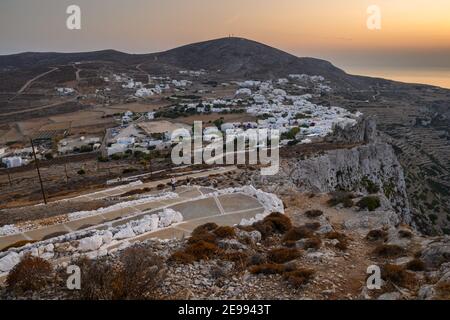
pixel 29 275
pixel 389 251
pixel 370 203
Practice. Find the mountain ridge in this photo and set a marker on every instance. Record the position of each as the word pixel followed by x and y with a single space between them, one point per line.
pixel 225 57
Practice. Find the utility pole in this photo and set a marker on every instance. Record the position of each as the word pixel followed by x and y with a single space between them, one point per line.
pixel 9 179
pixel 38 171
pixel 65 170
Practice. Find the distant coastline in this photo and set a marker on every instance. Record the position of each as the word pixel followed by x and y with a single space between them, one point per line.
pixel 434 76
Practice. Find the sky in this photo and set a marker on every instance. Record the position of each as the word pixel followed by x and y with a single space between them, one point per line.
pixel 414 34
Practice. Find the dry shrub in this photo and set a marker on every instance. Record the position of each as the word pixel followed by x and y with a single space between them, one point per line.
pixel 443 291
pixel 202 236
pixel 297 233
pixel 290 243
pixel 346 198
pixel 341 237
pixel 207 227
pixel 389 251
pixel 283 255
pixel 143 272
pixel 312 243
pixel 267 268
pixel 398 275
pixel 202 250
pixel 134 276
pixel 298 278
pixel 376 235
pixel 257 259
pixel 225 232
pixel 416 265
pixel 342 245
pixel 18 244
pixel 312 226
pixel 160 186
pixel 30 274
pixel 404 233
pixel 235 256
pixel 181 257
pixel 275 223
pixel 246 228
pixel 313 213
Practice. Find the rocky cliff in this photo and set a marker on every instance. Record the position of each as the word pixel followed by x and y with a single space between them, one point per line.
pixel 370 167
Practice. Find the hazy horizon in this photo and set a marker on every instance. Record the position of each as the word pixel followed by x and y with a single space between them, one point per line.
pixel 414 38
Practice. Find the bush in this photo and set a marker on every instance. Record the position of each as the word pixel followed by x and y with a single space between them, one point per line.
pixel 398 275
pixel 443 291
pixel 297 233
pixel 30 274
pixel 370 186
pixel 375 235
pixel 416 265
pixel 404 233
pixel 143 272
pixel 275 223
pixel 225 232
pixel 312 226
pixel 298 277
pixel 312 243
pixel 205 227
pixel 181 257
pixel 283 255
pixel 371 203
pixel 257 259
pixel 341 237
pixel 389 251
pixel 313 213
pixel 267 268
pixel 202 236
pixel 341 197
pixel 202 250
pixel 136 275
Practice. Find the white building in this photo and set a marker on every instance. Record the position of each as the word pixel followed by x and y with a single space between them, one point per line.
pixel 126 141
pixel 116 148
pixel 12 162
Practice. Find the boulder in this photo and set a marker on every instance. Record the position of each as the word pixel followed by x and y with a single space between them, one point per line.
pixel 90 243
pixel 253 236
pixel 436 253
pixel 148 223
pixel 426 292
pixel 107 237
pixel 124 233
pixel 390 296
pixel 9 261
pixel 169 216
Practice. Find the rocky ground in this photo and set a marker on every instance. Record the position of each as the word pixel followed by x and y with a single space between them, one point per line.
pixel 315 251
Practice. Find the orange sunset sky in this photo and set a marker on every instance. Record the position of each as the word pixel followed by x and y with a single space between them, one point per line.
pixel 415 34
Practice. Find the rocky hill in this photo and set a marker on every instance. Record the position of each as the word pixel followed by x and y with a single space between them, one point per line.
pixel 236 58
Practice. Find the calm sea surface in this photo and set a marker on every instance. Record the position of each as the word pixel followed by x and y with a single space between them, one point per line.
pixel 436 77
